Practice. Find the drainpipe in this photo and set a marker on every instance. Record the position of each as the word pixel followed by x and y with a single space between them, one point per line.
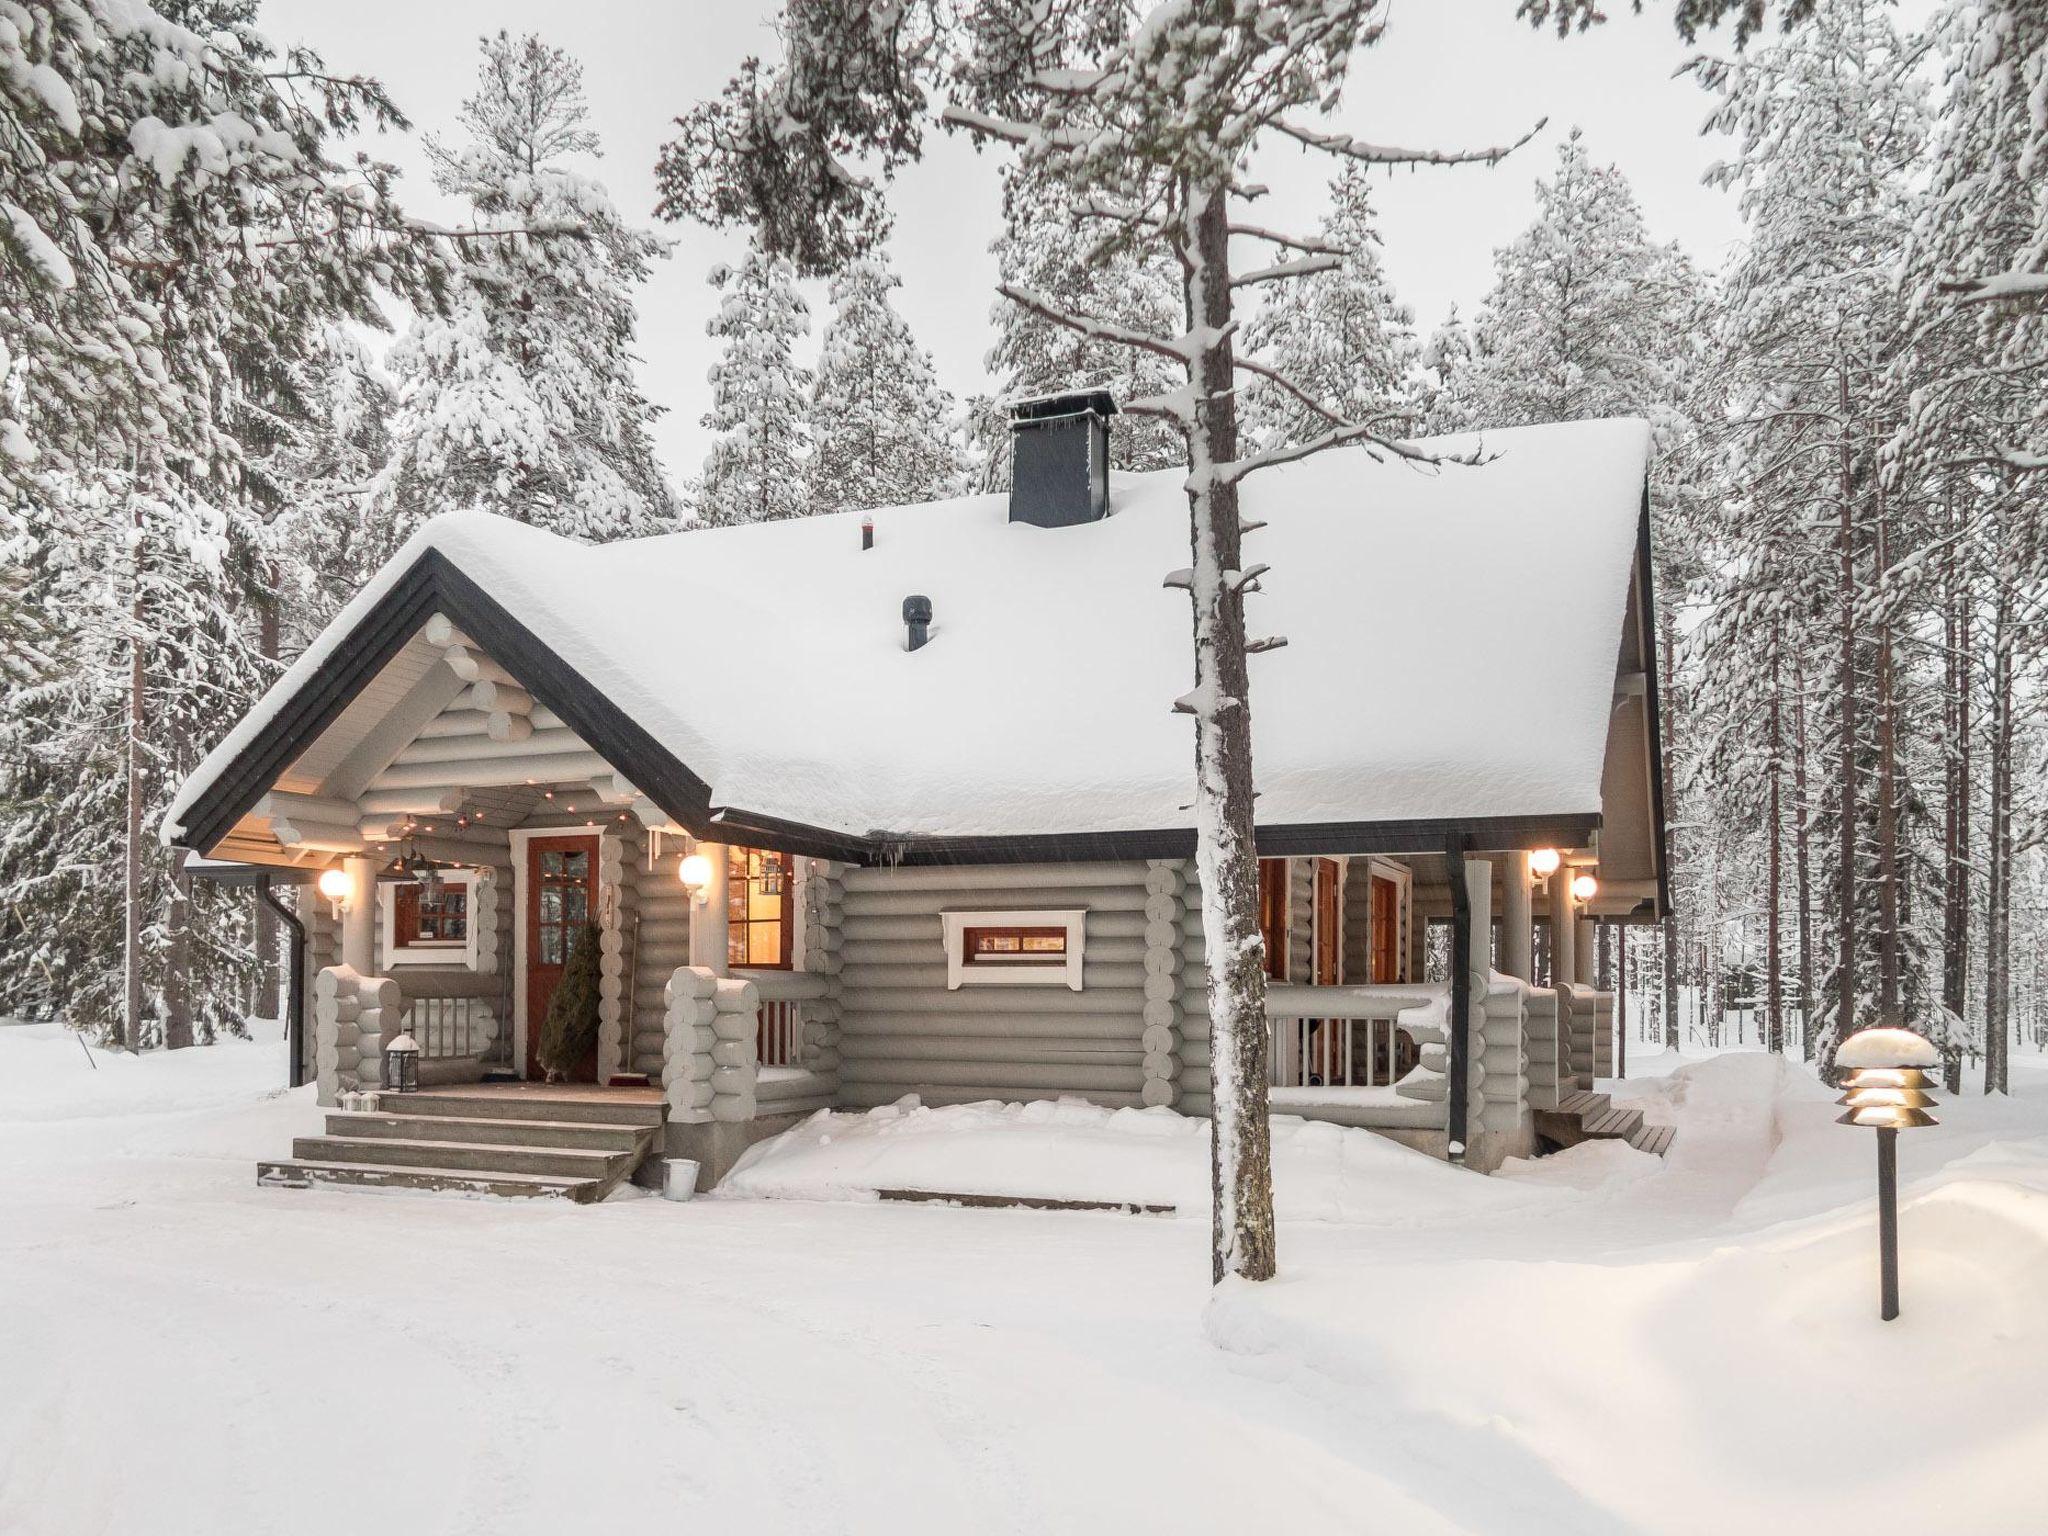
pixel 295 982
pixel 1459 1045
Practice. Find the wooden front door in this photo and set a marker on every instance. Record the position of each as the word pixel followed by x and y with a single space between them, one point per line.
pixel 1386 929
pixel 561 897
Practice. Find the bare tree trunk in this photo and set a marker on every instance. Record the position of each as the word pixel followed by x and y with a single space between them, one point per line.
pixel 1226 853
pixel 1668 623
pixel 1845 688
pixel 1802 867
pixel 1998 907
pixel 131 853
pixel 1955 874
pixel 1889 1008
pixel 1774 959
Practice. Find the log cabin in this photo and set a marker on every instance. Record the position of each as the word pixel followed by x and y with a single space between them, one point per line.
pixel 896 802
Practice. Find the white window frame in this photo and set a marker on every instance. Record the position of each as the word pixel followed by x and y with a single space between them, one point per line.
pixel 1066 974
pixel 446 956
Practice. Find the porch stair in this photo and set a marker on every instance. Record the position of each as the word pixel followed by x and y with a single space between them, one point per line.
pixel 1586 1116
pixel 480 1142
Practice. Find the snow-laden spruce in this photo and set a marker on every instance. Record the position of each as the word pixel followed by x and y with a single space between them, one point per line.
pixel 522 400
pixel 756 469
pixel 881 427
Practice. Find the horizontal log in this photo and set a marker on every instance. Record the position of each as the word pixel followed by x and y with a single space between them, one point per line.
pixel 1037 1052
pixel 507 729
pixel 481 772
pixel 1111 1029
pixel 473 666
pixel 985 1001
pixel 496 697
pixel 433 800
pixel 1109 977
pixel 928 904
pixel 317 838
pixel 1043 1080
pixel 1004 877
pixel 320 809
pixel 465 749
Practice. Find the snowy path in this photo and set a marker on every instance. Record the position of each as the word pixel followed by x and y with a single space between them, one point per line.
pixel 1662 1349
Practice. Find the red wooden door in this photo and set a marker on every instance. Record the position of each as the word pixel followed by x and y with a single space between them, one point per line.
pixel 1386 929
pixel 561 896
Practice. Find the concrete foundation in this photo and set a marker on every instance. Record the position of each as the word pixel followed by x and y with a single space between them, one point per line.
pixel 715 1145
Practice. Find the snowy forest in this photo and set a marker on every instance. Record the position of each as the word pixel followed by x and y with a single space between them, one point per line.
pixel 236 374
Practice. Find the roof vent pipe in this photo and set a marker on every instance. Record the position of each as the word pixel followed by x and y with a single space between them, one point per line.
pixel 917 618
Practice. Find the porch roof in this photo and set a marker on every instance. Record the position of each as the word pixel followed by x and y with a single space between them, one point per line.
pixel 1453 638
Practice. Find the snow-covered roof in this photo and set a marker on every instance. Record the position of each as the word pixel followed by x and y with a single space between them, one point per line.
pixel 1452 642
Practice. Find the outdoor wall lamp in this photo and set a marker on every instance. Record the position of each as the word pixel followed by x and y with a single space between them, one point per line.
pixel 1887 1090
pixel 1584 888
pixel 695 873
pixel 337 885
pixel 1543 863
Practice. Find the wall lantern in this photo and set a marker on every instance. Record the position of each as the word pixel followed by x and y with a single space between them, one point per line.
pixel 1584 888
pixel 402 1064
pixel 337 885
pixel 1543 863
pixel 695 873
pixel 1886 1085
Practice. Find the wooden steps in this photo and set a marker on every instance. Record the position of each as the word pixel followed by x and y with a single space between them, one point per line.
pixel 1587 1116
pixel 516 1140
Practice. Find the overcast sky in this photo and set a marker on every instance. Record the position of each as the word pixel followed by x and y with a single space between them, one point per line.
pixel 1450 73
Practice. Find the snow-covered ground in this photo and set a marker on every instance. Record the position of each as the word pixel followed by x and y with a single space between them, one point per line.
pixel 1596 1343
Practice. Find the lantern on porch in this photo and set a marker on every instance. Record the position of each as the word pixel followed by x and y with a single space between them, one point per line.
pixel 1543 863
pixel 1886 1086
pixel 402 1064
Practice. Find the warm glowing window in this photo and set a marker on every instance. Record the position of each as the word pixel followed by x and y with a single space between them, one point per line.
pixel 437 918
pixel 1015 946
pixel 1036 948
pixel 760 905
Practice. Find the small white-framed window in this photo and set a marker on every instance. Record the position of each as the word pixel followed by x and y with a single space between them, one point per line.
pixel 430 928
pixel 1015 948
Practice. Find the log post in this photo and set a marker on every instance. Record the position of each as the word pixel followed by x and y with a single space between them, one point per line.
pixel 1564 968
pixel 359 918
pixel 708 919
pixel 1517 920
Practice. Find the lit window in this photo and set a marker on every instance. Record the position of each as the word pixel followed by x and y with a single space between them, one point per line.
pixel 1040 949
pixel 1015 946
pixel 760 908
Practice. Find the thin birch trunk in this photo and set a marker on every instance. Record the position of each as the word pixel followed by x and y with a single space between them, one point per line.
pixel 1774 958
pixel 131 852
pixel 1890 1011
pixel 1845 690
pixel 1802 864
pixel 1226 853
pixel 1670 924
pixel 1998 908
pixel 266 1002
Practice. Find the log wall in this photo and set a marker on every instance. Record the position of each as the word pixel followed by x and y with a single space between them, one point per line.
pixel 902 1031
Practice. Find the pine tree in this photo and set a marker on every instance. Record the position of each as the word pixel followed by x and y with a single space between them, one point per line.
pixel 177 231
pixel 1339 333
pixel 757 470
pixel 1828 125
pixel 522 401
pixel 1049 247
pixel 880 425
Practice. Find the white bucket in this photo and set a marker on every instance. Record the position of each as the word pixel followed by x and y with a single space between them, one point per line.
pixel 679 1178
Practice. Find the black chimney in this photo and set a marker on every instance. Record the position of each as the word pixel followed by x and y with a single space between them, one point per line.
pixel 917 618
pixel 1059 459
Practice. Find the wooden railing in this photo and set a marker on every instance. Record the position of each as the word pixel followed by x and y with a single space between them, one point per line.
pixel 780 1041
pixel 452 1027
pixel 1338 1036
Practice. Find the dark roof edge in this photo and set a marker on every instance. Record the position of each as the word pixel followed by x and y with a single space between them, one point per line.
pixel 1646 574
pixel 434 584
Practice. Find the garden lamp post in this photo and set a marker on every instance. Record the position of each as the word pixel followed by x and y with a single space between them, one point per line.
pixel 1886 1089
